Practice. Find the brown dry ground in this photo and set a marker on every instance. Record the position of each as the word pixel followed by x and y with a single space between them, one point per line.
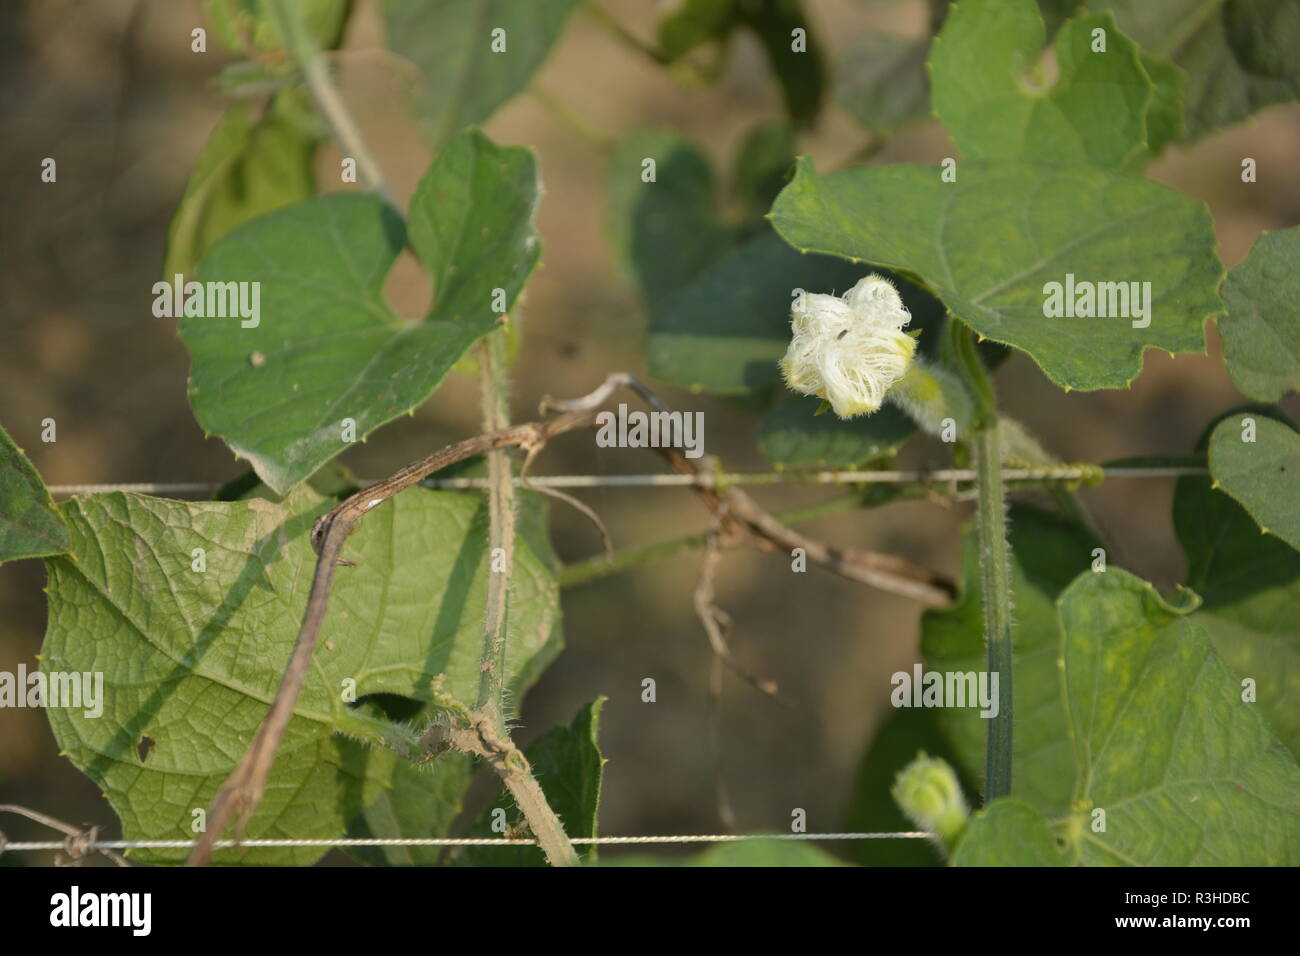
pixel 126 120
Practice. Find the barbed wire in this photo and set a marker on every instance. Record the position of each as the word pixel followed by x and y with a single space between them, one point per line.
pixel 707 480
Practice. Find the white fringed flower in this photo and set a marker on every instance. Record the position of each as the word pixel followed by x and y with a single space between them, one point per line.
pixel 849 350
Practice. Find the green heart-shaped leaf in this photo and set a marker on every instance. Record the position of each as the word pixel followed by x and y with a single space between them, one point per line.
pixel 1096 112
pixel 467 68
pixel 1188 773
pixel 326 346
pixel 191 659
pixel 883 82
pixel 659 213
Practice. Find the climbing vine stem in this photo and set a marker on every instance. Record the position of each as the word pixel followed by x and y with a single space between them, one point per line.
pixel 995 557
pixel 489 736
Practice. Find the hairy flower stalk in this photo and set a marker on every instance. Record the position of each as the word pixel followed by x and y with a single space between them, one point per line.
pixel 850 350
pixel 930 395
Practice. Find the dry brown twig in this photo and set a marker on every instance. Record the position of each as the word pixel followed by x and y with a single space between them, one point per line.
pixel 79 842
pixel 240 794
pixel 747 520
pixel 716 621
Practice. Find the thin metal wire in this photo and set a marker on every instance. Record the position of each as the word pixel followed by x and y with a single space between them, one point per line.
pixel 705 479
pixel 144 488
pixel 465 841
pixel 787 477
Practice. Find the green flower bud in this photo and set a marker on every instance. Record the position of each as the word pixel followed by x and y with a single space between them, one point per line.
pixel 928 792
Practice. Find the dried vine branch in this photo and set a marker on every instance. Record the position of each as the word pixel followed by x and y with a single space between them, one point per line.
pixel 242 791
pixel 78 842
pixel 746 519
pixel 717 623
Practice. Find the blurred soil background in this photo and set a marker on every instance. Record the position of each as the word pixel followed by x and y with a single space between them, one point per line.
pixel 111 89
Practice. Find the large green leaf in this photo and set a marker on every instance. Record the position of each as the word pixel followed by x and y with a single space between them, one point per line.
pixel 1261 336
pixel 327 347
pixel 1239 54
pixel 191 660
pixel 794 434
pixel 30 527
pixel 1263 475
pixel 249 166
pixel 989 243
pixel 1008 833
pixel 567 763
pixel 1096 112
pixel 1249 584
pixel 1048 552
pixel 462 79
pixel 1187 773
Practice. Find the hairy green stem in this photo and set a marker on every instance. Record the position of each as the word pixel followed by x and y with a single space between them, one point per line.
pixel 499 750
pixel 931 395
pixel 501 535
pixel 995 559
